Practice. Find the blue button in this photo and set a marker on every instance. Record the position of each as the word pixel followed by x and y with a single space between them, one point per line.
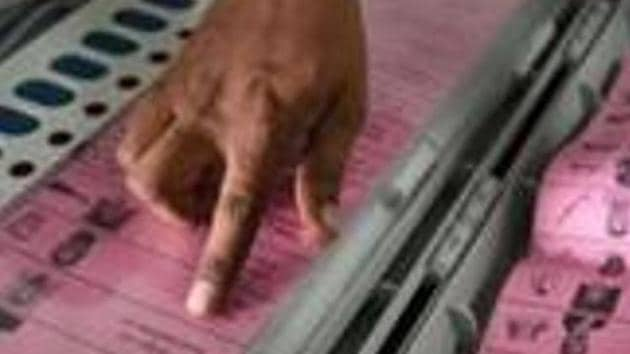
pixel 172 4
pixel 13 122
pixel 139 20
pixel 79 67
pixel 109 43
pixel 44 92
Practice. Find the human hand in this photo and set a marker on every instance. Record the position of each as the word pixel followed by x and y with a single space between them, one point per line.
pixel 261 86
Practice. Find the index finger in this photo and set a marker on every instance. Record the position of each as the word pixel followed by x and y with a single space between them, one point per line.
pixel 235 221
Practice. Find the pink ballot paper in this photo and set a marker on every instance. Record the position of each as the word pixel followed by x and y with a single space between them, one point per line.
pixel 557 307
pixel 580 302
pixel 84 268
pixel 583 207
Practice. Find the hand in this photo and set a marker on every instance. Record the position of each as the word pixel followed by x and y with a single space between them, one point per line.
pixel 261 87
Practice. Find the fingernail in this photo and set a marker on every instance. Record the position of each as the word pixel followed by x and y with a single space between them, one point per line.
pixel 198 303
pixel 330 216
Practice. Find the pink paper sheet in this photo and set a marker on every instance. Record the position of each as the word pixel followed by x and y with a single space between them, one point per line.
pixel 85 269
pixel 579 302
pixel 583 207
pixel 557 307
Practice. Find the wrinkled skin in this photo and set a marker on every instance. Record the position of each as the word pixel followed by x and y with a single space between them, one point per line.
pixel 261 87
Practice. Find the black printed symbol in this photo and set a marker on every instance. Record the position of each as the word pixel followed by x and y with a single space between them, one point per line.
pixel 543 283
pixel 67 190
pixel 617 118
pixel 8 321
pixel 603 147
pixel 27 289
pixel 583 167
pixel 571 207
pixel 26 225
pixel 575 323
pixel 575 344
pixel 74 249
pixel 617 218
pixel 109 214
pixel 598 323
pixel 578 326
pixel 578 322
pixel 613 267
pixel 526 329
pixel 597 298
pixel 623 172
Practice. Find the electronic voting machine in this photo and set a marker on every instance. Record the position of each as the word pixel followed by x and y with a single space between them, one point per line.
pixel 472 203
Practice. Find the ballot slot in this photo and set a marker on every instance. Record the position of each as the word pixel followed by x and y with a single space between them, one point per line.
pixel 547 37
pixel 480 146
pixel 360 328
pixel 451 325
pixel 590 26
pixel 418 303
pixel 506 160
pixel 453 242
pixel 462 228
pixel 611 77
pixel 453 235
pixel 478 276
